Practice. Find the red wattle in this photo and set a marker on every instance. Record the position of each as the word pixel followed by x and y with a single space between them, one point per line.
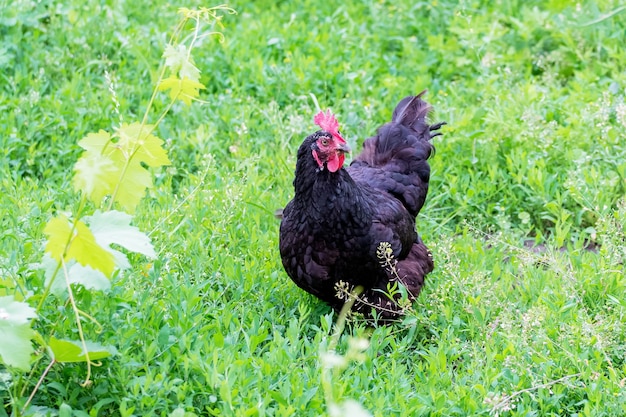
pixel 335 163
pixel 317 159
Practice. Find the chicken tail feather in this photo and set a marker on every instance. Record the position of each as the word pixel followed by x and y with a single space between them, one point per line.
pixel 412 112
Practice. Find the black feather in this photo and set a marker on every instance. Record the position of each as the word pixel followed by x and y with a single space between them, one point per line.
pixel 412 112
pixel 332 228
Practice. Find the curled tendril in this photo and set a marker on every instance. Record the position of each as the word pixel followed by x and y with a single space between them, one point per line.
pixel 207 14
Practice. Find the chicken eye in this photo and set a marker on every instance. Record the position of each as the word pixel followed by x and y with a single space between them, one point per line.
pixel 324 142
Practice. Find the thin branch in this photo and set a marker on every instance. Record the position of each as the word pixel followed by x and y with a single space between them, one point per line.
pixel 184 200
pixel 604 17
pixel 343 316
pixel 79 326
pixel 507 398
pixel 196 33
pixel 367 303
pixel 334 340
pixel 41 378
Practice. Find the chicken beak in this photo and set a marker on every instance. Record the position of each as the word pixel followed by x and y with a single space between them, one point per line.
pixel 344 148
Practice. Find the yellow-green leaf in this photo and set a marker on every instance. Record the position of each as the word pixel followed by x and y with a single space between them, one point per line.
pixel 82 247
pixel 184 89
pixel 95 142
pixel 95 175
pixel 86 251
pixel 132 189
pixel 109 160
pixel 59 232
pixel 98 169
pixel 148 147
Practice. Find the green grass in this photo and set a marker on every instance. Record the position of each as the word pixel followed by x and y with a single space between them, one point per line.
pixel 534 153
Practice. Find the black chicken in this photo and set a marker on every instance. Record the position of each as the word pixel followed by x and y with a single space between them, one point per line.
pixel 332 230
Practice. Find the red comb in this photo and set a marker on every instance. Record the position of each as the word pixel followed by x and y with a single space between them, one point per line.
pixel 328 122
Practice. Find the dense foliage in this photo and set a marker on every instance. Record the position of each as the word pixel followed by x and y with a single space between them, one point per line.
pixel 525 312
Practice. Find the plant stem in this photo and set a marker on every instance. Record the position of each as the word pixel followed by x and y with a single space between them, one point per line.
pixel 509 397
pixel 46 290
pixel 195 37
pixel 41 378
pixel 136 149
pixel 81 335
pixel 163 114
pixel 340 325
pixel 154 93
pixel 144 121
pixel 174 37
pixel 184 200
pixel 343 316
pixel 604 17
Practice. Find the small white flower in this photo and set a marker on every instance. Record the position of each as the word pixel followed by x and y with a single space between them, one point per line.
pixel 332 360
pixel 359 343
pixel 348 408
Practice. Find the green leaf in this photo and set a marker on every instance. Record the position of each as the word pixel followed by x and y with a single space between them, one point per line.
pixel 113 227
pixel 184 89
pixel 180 412
pixel 82 245
pixel 65 410
pixel 72 351
pixel 7 287
pixel 15 332
pixel 175 56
